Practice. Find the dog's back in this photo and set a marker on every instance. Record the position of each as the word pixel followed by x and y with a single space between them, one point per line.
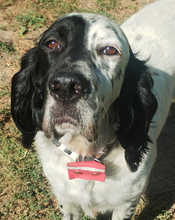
pixel 151 34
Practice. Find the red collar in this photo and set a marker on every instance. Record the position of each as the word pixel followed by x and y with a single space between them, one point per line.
pixel 92 169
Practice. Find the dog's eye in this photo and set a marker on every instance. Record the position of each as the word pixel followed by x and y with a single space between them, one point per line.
pixel 52 44
pixel 110 51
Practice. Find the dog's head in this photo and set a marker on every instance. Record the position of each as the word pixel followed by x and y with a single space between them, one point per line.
pixel 80 74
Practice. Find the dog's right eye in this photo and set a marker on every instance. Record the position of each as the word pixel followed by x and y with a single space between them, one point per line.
pixel 52 44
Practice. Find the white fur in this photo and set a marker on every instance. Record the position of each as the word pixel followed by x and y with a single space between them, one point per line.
pixel 94 195
pixel 155 26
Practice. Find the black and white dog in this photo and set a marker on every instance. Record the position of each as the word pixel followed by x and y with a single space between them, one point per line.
pixel 82 92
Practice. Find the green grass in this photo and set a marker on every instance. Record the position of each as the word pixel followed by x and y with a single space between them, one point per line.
pixel 107 5
pixel 24 190
pixel 6 47
pixel 30 197
pixel 30 21
pixel 157 213
pixel 35 18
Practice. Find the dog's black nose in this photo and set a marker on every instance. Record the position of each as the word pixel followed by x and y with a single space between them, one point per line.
pixel 67 86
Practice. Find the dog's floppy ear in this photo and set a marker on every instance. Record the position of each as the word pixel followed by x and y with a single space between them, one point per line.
pixel 135 106
pixel 26 98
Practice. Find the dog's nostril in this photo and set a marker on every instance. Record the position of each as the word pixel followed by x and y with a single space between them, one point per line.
pixel 68 86
pixel 79 89
pixel 54 86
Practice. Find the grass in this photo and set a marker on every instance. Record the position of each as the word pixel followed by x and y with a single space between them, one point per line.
pixel 31 21
pixel 156 211
pixel 24 190
pixel 6 47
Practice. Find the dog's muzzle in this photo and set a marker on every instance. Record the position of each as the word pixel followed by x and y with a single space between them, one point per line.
pixel 67 86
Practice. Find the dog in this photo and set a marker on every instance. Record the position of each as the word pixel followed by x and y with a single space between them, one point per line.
pixel 94 101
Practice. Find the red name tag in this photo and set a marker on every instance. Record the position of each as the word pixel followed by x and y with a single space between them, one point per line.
pixel 89 170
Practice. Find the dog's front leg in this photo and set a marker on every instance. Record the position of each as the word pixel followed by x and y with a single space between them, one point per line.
pixel 124 213
pixel 71 211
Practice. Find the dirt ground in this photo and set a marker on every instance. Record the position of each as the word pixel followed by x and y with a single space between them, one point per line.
pixel 161 187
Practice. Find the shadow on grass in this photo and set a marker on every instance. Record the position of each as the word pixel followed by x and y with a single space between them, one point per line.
pixel 106 216
pixel 161 188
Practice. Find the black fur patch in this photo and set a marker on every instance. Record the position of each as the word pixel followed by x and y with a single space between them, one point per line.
pixel 136 106
pixel 29 84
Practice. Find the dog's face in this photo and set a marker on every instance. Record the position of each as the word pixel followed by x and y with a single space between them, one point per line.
pixel 83 71
pixel 82 78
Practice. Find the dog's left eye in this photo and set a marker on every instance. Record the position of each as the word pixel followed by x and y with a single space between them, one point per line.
pixel 110 50
pixel 52 44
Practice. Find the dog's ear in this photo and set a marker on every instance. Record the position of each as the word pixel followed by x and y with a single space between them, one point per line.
pixel 135 106
pixel 26 97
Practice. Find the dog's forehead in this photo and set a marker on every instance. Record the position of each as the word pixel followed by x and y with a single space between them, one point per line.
pixel 102 30
pixel 100 24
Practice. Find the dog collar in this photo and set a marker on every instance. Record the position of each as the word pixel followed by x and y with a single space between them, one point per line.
pixel 92 169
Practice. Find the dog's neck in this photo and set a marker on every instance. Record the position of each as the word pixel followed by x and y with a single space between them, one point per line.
pixel 76 157
pixel 77 148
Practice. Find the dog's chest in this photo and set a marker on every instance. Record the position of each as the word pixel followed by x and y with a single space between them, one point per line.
pixel 87 193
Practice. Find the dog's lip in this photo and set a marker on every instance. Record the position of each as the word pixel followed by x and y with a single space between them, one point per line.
pixel 67 119
pixel 64 125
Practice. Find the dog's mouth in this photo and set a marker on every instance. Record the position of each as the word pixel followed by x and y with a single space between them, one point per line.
pixel 70 125
pixel 66 124
pixel 77 127
pixel 76 118
pixel 57 127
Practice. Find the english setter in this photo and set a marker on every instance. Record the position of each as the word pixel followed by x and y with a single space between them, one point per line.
pixel 88 94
